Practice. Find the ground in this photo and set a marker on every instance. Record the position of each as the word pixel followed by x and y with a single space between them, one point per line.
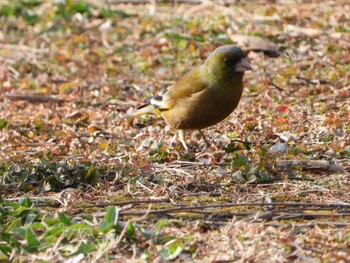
pixel 78 183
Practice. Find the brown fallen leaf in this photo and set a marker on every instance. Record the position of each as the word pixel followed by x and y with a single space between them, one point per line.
pixel 255 44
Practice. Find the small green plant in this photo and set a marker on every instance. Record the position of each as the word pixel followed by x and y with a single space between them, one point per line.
pixel 51 176
pixel 25 228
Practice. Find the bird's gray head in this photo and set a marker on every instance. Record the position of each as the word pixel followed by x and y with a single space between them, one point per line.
pixel 227 59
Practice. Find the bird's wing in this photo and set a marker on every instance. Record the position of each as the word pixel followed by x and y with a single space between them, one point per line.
pixel 189 84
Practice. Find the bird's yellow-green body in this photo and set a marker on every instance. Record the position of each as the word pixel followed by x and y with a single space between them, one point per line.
pixel 204 96
pixel 205 107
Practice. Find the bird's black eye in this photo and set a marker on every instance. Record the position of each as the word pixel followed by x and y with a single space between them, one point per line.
pixel 230 62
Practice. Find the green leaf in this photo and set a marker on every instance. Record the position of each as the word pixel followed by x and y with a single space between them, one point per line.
pixel 32 241
pixel 64 219
pixel 91 175
pixel 230 148
pixel 87 217
pixel 81 7
pixel 50 221
pixel 26 202
pixel 5 237
pixel 21 211
pixel 54 231
pixel 30 18
pixel 112 215
pixel 30 218
pixel 247 146
pixel 86 248
pixel 6 250
pixel 173 250
pixel 105 227
pixel 3 123
pixel 30 3
pixel 76 229
pixel 9 10
pixel 37 225
pixel 80 227
pixel 14 224
pixel 130 231
pixel 164 239
pixel 161 224
pixel 106 12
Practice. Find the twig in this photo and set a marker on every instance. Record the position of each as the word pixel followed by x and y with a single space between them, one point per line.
pixel 32 98
pixel 24 48
pixel 241 141
pixel 253 217
pixel 194 2
pixel 32 144
pixel 203 194
pixel 189 208
pixel 136 202
pixel 101 135
pixel 313 165
pixel 196 209
pixel 311 225
pixel 312 250
pixel 22 133
pixel 309 216
pixel 186 164
pixel 260 216
pixel 180 210
pixel 314 81
pixel 276 86
pixel 297 210
pixel 183 207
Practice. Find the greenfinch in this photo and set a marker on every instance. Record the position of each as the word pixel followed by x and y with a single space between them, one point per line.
pixel 204 96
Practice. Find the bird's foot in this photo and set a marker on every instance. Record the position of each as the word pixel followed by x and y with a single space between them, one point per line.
pixel 207 144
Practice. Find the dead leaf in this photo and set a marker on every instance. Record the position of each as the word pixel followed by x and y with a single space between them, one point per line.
pixel 310 32
pixel 74 115
pixel 255 44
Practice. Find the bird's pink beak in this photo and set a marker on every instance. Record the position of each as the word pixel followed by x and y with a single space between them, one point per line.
pixel 242 65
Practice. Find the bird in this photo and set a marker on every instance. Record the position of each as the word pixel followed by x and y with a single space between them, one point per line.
pixel 204 96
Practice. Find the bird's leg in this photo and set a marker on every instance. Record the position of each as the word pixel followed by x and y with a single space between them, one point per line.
pixel 207 144
pixel 181 134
